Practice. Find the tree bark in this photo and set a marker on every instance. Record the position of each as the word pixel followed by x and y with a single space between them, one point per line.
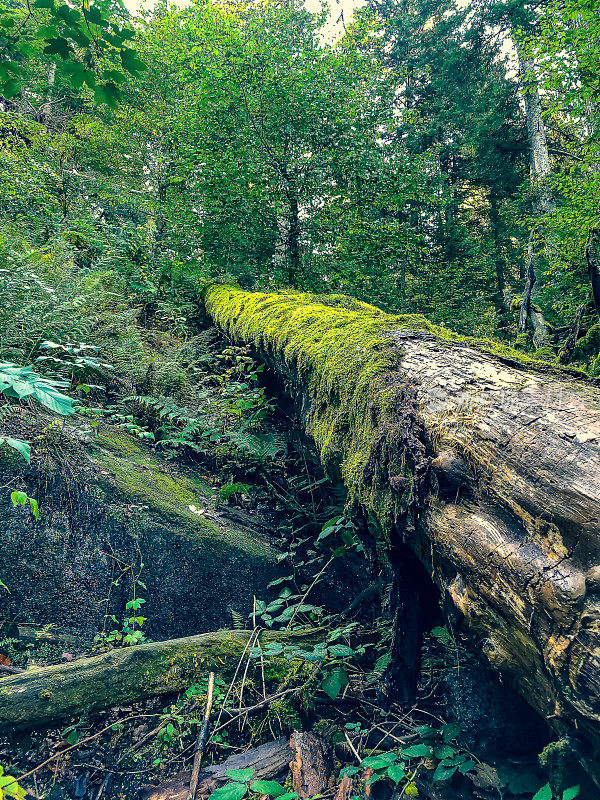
pixel 50 694
pixel 294 237
pixel 312 764
pixel 539 160
pixel 515 543
pixel 571 340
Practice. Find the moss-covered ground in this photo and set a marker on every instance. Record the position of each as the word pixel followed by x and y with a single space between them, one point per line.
pixel 145 478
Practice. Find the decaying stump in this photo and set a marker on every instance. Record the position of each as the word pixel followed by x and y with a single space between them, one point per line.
pixel 268 761
pixel 510 528
pixel 312 766
pixel 345 789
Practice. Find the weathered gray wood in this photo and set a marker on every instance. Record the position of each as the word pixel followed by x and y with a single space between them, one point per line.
pixel 268 761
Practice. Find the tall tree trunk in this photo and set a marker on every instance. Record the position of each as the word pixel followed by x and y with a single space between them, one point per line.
pixel 294 238
pixel 281 255
pixel 539 161
pixel 502 294
pixel 592 256
pixel 46 109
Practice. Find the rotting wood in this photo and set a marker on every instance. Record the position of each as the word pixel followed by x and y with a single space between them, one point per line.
pixel 516 547
pixel 345 788
pixel 312 765
pixel 50 694
pixel 268 761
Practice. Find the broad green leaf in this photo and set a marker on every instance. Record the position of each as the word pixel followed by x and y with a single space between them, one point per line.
pixel 131 63
pixel 240 774
pixel 74 71
pixel 335 682
pixel 108 94
pixel 58 46
pixel 232 791
pixel 418 751
pixel 396 773
pixel 11 87
pixel 443 772
pixel 272 788
pixel 378 762
pixel 114 75
pixel 18 498
pixel 94 15
pixel 340 651
pixel 19 445
pixel 70 15
pixel 443 751
pixel 545 793
pixel 450 732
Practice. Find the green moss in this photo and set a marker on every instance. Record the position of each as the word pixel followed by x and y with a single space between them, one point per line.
pixel 344 352
pixel 589 345
pixel 141 476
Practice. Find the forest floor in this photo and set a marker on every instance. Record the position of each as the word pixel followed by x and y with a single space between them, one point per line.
pixel 466 736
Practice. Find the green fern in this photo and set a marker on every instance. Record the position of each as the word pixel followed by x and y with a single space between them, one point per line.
pixel 237 619
pixel 225 492
pixel 262 445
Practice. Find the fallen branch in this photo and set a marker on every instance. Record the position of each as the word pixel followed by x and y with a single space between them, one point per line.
pixel 202 738
pixel 51 694
pixel 268 760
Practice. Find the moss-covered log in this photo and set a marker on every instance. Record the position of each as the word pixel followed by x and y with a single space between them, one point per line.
pixel 484 459
pixel 50 694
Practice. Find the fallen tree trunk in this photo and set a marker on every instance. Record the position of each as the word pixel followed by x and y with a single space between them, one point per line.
pixel 507 520
pixel 51 694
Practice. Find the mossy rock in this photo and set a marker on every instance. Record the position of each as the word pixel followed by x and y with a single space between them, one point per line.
pixel 114 502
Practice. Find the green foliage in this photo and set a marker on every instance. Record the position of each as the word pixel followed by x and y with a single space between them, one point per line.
pixel 86 43
pixel 20 383
pixel 10 789
pixel 21 447
pixel 545 793
pixel 242 783
pixel 129 631
pixel 75 360
pixel 22 499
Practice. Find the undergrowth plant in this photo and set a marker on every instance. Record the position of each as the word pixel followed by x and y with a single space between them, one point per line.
pixel 129 630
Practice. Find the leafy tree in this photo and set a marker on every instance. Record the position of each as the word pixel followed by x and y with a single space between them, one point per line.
pixel 456 104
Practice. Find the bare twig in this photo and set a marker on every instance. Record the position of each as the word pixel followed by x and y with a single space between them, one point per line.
pixel 202 738
pixel 351 746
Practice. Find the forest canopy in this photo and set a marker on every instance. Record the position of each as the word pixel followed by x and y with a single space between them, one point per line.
pixel 434 158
